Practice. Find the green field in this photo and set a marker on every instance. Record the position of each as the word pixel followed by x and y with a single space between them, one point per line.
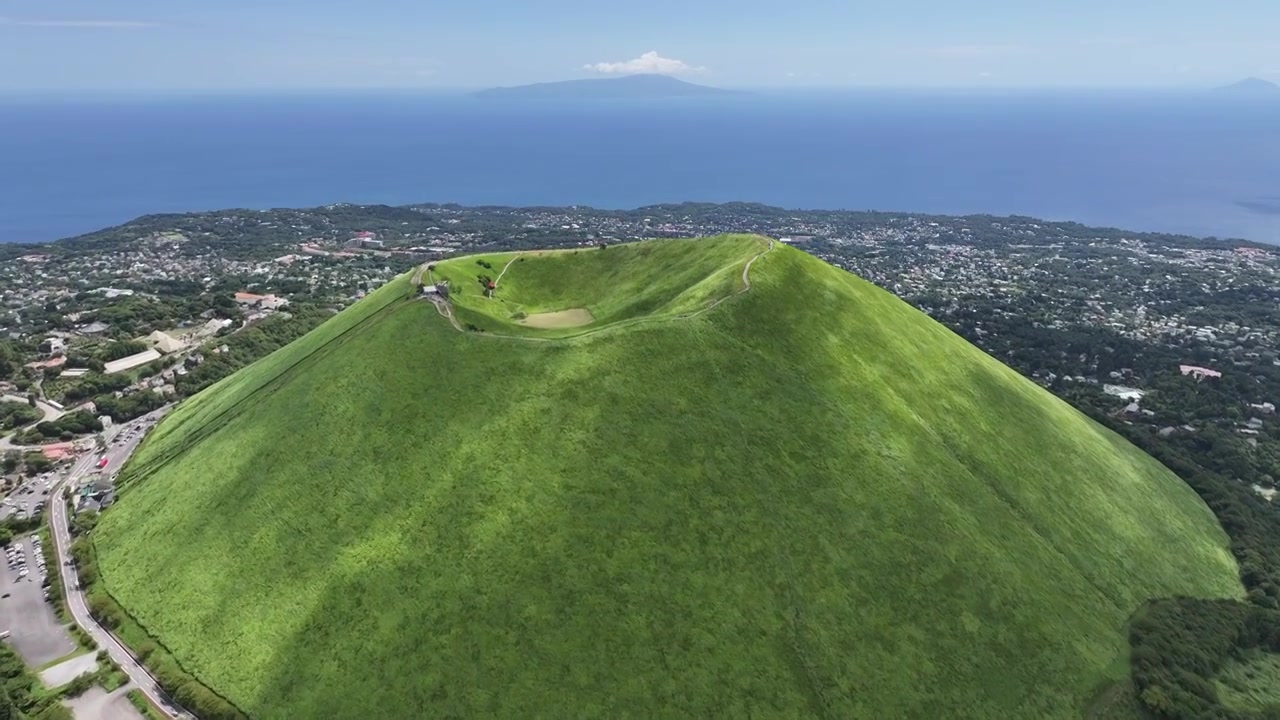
pixel 811 500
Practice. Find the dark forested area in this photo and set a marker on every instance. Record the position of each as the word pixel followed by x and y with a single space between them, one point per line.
pixel 1180 646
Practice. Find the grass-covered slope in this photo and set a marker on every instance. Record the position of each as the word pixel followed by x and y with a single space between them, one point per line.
pixel 810 500
pixel 641 282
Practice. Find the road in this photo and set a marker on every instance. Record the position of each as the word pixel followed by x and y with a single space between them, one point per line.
pixel 117 453
pixel 51 413
pixel 416 280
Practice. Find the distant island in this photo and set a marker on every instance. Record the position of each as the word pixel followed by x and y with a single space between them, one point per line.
pixel 629 87
pixel 1251 88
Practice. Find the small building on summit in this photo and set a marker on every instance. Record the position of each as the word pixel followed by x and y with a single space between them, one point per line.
pixel 441 289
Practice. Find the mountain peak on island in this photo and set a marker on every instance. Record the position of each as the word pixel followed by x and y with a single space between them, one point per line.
pixel 628 87
pixel 1252 87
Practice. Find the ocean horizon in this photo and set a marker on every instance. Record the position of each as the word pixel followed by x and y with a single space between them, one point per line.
pixel 1177 162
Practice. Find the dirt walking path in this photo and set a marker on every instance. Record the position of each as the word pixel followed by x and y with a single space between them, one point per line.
pixel 446 311
pixel 504 271
pixel 416 280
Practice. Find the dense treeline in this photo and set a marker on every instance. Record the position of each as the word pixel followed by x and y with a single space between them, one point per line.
pixel 93 385
pixel 156 305
pixel 10 360
pixel 124 409
pixel 120 349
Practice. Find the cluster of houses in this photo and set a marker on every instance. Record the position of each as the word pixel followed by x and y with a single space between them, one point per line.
pixel 160 343
pixel 94 494
pixel 1133 396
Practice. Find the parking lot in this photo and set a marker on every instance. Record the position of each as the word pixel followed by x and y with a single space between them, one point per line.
pixel 97 704
pixel 27 619
pixel 24 499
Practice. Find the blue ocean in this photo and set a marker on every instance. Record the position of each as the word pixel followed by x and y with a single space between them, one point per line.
pixel 1177 162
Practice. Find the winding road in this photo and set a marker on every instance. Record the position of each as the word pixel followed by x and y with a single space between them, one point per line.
pixel 76 602
pixel 51 413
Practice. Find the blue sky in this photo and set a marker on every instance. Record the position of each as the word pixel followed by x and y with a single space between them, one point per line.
pixel 51 45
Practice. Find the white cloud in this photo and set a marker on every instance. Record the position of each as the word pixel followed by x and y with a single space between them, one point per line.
pixel 973 51
pixel 648 63
pixel 92 24
pixel 1113 42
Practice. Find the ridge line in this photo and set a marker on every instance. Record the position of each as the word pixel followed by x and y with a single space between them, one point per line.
pixel 445 308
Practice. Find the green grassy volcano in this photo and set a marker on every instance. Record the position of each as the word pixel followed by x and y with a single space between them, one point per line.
pixel 809 500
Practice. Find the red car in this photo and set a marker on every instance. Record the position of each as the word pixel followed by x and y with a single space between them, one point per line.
pixel 102 463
